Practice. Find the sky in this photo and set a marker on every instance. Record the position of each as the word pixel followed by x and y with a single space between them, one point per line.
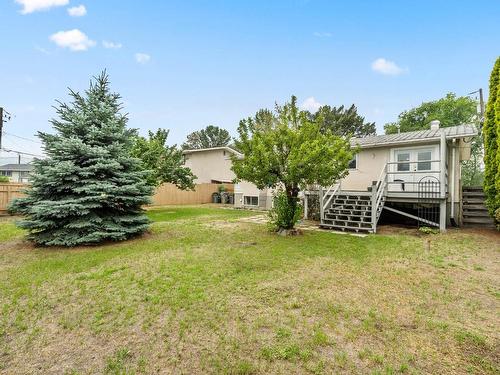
pixel 183 65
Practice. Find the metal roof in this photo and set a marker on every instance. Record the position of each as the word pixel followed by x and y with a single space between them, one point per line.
pixel 460 131
pixel 16 167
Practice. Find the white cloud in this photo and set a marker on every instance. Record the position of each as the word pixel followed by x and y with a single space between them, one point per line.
pixel 30 6
pixel 111 45
pixel 142 58
pixel 74 39
pixel 322 34
pixel 387 67
pixel 78 11
pixel 310 104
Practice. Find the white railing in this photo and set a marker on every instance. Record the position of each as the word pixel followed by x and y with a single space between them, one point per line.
pixel 332 190
pixel 378 193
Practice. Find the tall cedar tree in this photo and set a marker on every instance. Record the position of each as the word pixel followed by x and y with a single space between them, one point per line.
pixel 343 121
pixel 211 136
pixel 166 163
pixel 286 150
pixel 88 189
pixel 491 133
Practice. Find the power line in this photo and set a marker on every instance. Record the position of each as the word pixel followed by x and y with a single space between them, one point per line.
pixel 20 152
pixel 23 138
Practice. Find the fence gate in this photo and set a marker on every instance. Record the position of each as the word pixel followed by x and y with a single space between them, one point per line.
pixel 428 199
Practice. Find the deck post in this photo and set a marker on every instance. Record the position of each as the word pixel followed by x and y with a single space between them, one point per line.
pixel 442 165
pixel 442 215
pixel 443 182
pixel 374 207
pixel 321 210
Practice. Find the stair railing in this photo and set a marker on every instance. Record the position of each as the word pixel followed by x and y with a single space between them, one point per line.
pixel 378 193
pixel 332 190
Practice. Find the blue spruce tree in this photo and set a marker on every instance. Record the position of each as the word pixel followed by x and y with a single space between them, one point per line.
pixel 88 189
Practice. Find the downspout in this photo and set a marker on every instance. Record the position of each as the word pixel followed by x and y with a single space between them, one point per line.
pixel 452 184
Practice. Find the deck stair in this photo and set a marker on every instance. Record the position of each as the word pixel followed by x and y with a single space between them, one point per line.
pixel 474 211
pixel 350 211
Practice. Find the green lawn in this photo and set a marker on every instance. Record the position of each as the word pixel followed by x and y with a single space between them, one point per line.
pixel 205 293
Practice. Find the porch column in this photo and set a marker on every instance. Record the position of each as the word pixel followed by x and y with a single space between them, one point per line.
pixel 442 178
pixel 442 165
pixel 442 215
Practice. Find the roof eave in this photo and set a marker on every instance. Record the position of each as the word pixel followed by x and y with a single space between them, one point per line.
pixel 413 141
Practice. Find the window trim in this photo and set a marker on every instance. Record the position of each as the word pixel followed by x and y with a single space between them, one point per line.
pixel 356 159
pixel 250 196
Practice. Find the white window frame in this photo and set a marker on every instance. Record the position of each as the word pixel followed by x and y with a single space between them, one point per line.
pixel 357 163
pixel 250 196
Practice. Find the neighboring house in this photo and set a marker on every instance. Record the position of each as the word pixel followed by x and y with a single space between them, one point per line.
pixel 414 174
pixel 16 172
pixel 213 165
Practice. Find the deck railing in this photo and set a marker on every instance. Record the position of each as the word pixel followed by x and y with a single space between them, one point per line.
pixel 407 186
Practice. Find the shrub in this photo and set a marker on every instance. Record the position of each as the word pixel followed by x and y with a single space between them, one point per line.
pixel 286 211
pixel 4 179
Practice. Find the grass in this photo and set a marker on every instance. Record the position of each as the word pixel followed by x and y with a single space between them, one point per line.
pixel 205 292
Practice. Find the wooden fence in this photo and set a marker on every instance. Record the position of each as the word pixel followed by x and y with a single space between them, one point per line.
pixel 8 192
pixel 168 194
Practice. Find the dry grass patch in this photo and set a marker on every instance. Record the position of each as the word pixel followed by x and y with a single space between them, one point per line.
pixel 207 293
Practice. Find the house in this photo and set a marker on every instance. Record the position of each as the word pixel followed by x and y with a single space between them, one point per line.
pixel 413 174
pixel 16 172
pixel 213 165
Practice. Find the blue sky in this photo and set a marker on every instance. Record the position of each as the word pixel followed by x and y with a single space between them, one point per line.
pixel 182 65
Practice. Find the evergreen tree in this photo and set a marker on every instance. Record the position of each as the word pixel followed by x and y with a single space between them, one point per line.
pixel 211 136
pixel 88 189
pixel 343 121
pixel 491 133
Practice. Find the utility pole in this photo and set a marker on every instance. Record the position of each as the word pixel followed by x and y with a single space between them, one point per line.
pixel 1 126
pixel 481 104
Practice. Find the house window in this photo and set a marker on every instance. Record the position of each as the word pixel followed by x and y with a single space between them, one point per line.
pixel 251 201
pixel 353 164
pixel 424 160
pixel 402 158
pixel 6 173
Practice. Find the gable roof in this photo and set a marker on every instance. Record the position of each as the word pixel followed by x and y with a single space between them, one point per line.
pixel 224 148
pixel 460 131
pixel 16 167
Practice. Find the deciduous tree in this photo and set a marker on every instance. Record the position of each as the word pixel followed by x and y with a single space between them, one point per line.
pixel 450 111
pixel 166 163
pixel 287 150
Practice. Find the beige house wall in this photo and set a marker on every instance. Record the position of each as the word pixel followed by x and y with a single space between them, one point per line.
pixel 371 161
pixel 210 165
pixel 245 188
pixel 369 164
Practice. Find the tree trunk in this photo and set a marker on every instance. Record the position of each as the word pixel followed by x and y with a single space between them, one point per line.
pixel 292 193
